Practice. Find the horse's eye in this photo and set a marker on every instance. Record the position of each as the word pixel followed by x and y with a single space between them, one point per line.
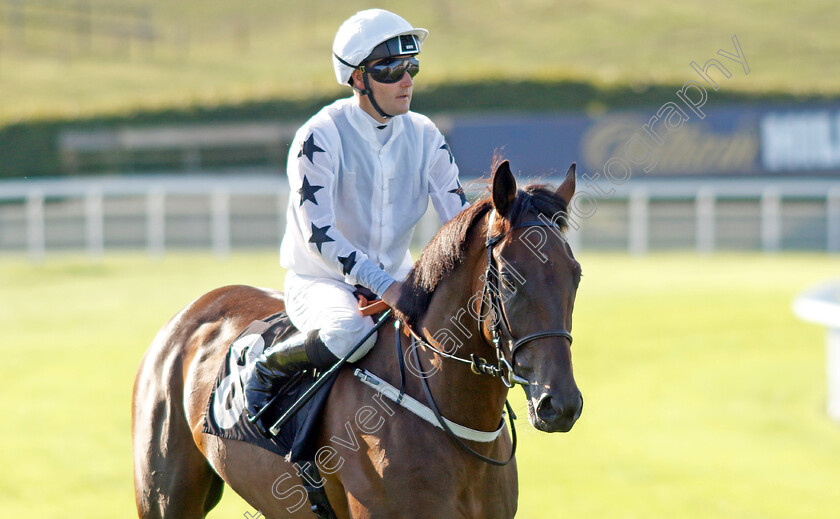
pixel 508 281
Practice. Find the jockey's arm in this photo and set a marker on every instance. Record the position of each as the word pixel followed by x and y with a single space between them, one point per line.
pixel 312 175
pixel 444 187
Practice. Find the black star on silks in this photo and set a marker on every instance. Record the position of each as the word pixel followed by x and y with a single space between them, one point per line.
pixel 348 262
pixel 307 192
pixel 460 192
pixel 309 148
pixel 449 151
pixel 319 236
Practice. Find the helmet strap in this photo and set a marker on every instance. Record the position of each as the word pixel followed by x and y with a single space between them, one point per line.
pixel 368 92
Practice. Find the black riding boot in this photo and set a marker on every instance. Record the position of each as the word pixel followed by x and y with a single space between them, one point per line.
pixel 278 362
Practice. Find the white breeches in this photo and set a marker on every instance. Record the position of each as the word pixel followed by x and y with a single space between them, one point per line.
pixel 329 306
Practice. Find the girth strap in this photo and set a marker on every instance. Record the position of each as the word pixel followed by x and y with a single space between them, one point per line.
pixel 316 494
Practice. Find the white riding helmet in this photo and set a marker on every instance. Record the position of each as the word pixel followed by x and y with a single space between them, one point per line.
pixel 364 31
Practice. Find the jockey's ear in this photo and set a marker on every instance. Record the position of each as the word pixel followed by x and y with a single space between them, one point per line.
pixel 504 189
pixel 567 187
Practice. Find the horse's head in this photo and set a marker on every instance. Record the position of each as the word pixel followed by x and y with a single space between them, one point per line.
pixel 537 278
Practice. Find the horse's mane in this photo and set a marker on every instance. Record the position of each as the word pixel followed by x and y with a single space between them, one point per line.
pixel 449 246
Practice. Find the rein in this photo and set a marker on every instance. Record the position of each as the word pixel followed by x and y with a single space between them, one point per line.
pixel 454 437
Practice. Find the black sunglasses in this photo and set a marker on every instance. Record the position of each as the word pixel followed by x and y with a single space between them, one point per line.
pixel 392 70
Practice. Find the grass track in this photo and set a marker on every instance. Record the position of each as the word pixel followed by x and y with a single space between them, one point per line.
pixel 704 395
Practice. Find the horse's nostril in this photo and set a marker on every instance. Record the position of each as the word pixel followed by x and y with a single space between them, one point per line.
pixel 544 408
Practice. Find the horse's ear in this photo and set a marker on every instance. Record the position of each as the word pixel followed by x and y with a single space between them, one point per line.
pixel 504 188
pixel 567 187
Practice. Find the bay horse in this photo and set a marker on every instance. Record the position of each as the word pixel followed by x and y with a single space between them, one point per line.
pixel 405 467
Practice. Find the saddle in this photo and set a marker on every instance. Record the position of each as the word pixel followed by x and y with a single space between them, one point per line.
pixel 225 416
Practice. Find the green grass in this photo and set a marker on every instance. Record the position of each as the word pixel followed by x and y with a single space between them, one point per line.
pixel 704 394
pixel 201 57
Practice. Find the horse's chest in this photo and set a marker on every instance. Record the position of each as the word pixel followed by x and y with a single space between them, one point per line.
pixel 412 465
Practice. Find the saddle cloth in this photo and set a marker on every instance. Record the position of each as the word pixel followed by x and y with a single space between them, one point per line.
pixel 226 417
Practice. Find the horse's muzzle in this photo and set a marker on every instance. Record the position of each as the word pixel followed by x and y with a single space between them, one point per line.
pixel 556 414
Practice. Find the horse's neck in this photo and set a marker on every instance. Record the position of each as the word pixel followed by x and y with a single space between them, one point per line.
pixel 467 398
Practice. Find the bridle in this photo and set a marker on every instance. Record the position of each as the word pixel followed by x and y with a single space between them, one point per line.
pixel 500 325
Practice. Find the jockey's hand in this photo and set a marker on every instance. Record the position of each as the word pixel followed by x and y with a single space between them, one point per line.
pixel 392 294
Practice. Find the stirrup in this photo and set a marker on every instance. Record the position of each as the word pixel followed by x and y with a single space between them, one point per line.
pixel 282 362
pixel 291 382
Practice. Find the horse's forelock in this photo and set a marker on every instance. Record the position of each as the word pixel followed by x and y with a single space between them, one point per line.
pixel 539 199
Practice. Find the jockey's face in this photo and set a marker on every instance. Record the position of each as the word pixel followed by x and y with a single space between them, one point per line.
pixel 392 98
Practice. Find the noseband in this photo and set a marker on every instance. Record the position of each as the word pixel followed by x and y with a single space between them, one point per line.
pixel 500 324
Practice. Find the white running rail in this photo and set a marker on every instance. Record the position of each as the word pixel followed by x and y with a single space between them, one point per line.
pixel 821 305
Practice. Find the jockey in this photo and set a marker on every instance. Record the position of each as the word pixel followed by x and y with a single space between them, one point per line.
pixel 361 173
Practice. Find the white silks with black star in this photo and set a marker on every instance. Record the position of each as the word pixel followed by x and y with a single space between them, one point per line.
pixel 355 200
pixel 309 148
pixel 307 192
